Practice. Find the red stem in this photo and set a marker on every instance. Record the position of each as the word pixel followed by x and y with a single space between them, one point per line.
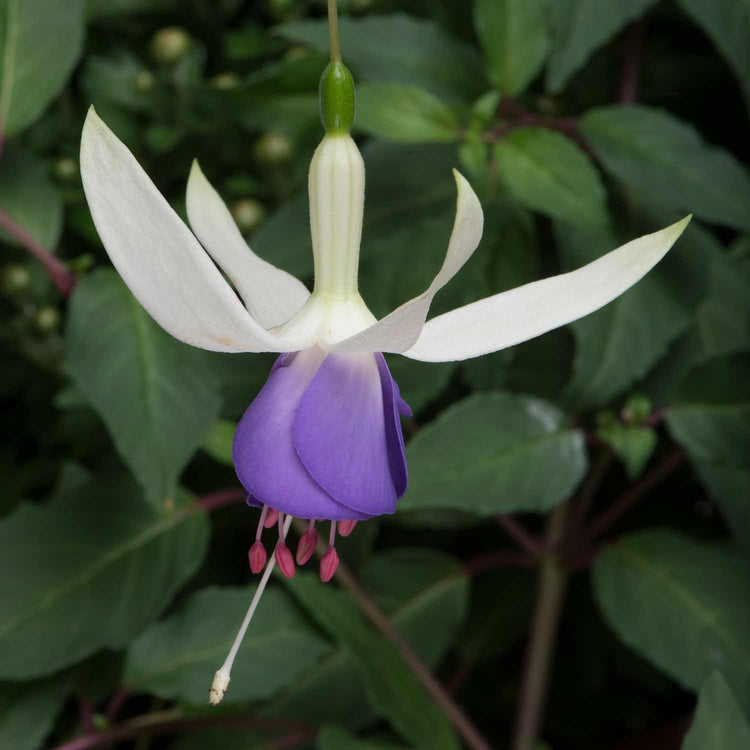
pixel 153 726
pixel 60 275
pixel 605 520
pixel 633 47
pixel 526 541
pixel 499 559
pixel 221 498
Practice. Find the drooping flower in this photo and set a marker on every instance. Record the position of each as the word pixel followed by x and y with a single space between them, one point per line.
pixel 323 439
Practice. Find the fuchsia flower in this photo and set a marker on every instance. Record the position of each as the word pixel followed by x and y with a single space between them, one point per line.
pixel 323 439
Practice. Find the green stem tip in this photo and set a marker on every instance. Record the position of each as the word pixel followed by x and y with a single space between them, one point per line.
pixel 337 98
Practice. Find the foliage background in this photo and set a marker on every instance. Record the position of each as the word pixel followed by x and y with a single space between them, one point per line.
pixel 581 124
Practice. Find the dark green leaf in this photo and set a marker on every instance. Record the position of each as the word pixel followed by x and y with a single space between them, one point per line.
pixel 426 606
pixel 155 394
pixel 400 48
pixel 669 163
pixel 176 659
pixel 333 738
pixel 681 604
pixel 401 112
pixel 579 27
pixel 513 34
pixel 110 564
pixel 392 689
pixel 476 456
pixel 632 444
pixel 711 419
pixel 727 23
pixel 28 711
pixel 29 198
pixel 222 738
pixel 719 722
pixel 420 382
pixel 40 41
pixel 548 172
pixel 619 343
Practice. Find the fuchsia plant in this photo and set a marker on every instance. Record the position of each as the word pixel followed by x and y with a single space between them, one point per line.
pixel 322 440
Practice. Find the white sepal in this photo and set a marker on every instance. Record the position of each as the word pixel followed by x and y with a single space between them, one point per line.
pixel 271 295
pixel 156 254
pixel 520 314
pixel 399 330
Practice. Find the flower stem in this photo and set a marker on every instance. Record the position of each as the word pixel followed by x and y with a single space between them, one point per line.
pixel 333 30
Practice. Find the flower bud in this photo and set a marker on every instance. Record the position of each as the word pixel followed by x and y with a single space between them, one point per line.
pixel 65 169
pixel 170 45
pixel 273 149
pixel 143 81
pixel 15 279
pixel 47 319
pixel 225 81
pixel 248 214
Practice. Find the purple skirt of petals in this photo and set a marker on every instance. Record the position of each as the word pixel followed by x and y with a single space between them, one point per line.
pixel 323 438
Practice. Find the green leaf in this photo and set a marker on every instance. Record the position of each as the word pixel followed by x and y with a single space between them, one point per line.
pixel 727 23
pixel 218 443
pixel 513 35
pixel 632 444
pixel 400 48
pixel 619 343
pixel 711 420
pixel 40 41
pixel 155 394
pixel 549 173
pixel 392 689
pixel 401 112
pixel 29 198
pixel 681 604
pixel 719 722
pixel 112 80
pixel 669 163
pixel 495 453
pixel 176 659
pixel 333 738
pixel 419 382
pixel 427 605
pixel 711 414
pixel 110 564
pixel 28 711
pixel 580 27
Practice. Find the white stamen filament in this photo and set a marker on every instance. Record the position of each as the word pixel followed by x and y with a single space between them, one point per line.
pixel 221 678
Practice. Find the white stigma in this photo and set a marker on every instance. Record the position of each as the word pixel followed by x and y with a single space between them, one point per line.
pixel 221 679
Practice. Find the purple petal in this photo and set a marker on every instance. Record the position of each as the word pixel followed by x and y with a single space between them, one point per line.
pixel 340 433
pixel 263 452
pixel 393 405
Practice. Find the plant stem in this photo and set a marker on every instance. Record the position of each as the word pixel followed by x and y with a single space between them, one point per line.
pixel 333 30
pixel 434 688
pixel 633 47
pixel 59 274
pixel 500 559
pixel 550 594
pixel 432 685
pixel 221 498
pixel 164 722
pixel 518 533
pixel 605 520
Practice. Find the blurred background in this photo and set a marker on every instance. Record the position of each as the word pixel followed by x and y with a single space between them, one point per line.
pixel 598 474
